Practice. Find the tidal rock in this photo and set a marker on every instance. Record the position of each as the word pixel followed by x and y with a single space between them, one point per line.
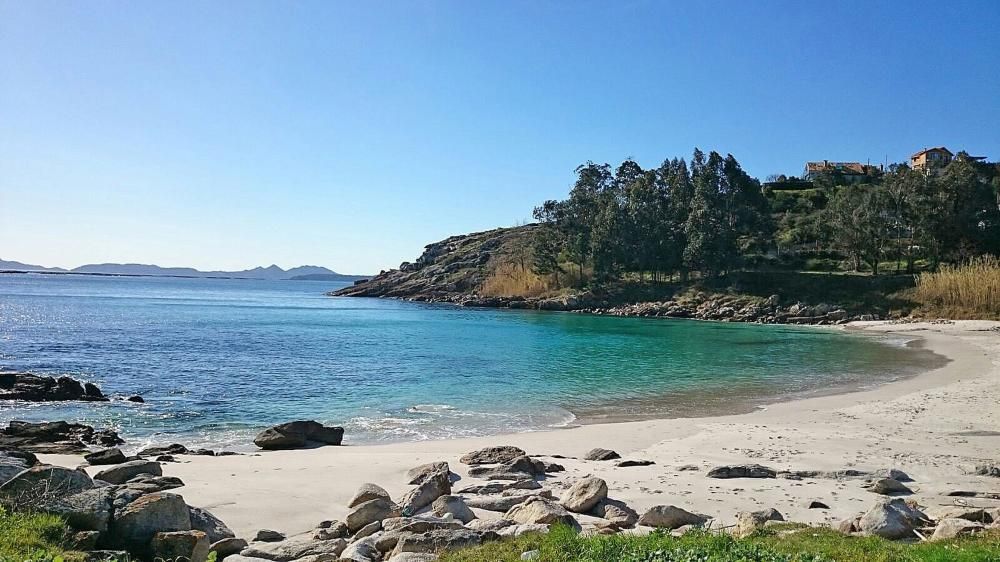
pixel 295 548
pixel 584 494
pixel 368 492
pixel 136 398
pixel 419 474
pixel 633 462
pixel 887 486
pixel 134 525
pixel 891 519
pixel 105 456
pixel 190 546
pixel 541 510
pixel 670 517
pixel 172 449
pixel 453 505
pixel 35 388
pixel 742 471
pixel 434 486
pixel 57 437
pixel 124 472
pixel 616 512
pixel 953 528
pixel 748 522
pixel 492 455
pixel 213 527
pixel 599 454
pixel 298 434
pixel 42 483
pixel 370 511
pixel 267 535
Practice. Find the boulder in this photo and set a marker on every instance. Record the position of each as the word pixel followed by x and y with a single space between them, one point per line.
pixel 172 449
pixel 584 494
pixel 670 517
pixel 599 454
pixel 190 546
pixel 525 528
pixel 420 524
pixel 541 510
pixel 134 525
pixel 368 492
pixel 122 473
pixel 498 473
pixel 85 540
pixel 105 456
pixel 434 486
pixel 453 505
pixel 499 487
pixel 887 486
pixel 371 511
pixel 413 557
pixel 814 504
pixel 748 522
pixel 362 550
pixel 418 474
pixel 503 503
pixel 213 527
pixel 55 437
pixel 11 466
pixel 492 455
pixel 295 548
pixel 893 473
pixel 89 510
pixel 331 530
pixel 147 484
pixel 633 462
pixel 40 484
pixel 988 470
pixel 227 547
pixel 742 471
pixel 616 512
pixel 267 535
pixel 368 530
pixel 891 519
pixel 442 539
pixel 954 528
pixel 490 524
pixel 37 388
pixel 978 514
pixel 298 434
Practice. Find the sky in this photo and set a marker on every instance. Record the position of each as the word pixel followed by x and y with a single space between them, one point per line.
pixel 225 135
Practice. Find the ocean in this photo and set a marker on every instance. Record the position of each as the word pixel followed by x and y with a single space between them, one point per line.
pixel 219 359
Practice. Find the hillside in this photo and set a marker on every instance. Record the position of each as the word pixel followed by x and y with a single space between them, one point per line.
pixel 271 272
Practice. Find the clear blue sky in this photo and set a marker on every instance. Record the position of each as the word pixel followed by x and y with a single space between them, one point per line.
pixel 350 134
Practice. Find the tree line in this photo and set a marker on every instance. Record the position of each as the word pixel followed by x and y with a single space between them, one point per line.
pixel 710 217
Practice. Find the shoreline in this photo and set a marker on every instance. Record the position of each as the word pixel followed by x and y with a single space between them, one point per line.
pixel 919 425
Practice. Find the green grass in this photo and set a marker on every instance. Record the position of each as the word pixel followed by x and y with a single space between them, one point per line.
pixel 773 545
pixel 35 537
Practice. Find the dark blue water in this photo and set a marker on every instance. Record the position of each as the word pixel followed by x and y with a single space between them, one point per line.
pixel 219 359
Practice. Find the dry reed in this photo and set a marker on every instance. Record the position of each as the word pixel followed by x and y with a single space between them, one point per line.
pixel 970 289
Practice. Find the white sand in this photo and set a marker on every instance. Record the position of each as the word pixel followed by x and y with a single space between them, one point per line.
pixel 915 425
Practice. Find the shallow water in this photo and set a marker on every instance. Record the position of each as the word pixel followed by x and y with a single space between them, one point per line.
pixel 218 359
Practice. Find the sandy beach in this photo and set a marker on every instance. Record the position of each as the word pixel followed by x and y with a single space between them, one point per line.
pixel 936 427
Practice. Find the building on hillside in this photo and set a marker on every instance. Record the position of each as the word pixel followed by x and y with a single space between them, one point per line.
pixel 931 157
pixel 848 172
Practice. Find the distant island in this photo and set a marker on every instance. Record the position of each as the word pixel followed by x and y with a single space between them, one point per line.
pixel 273 272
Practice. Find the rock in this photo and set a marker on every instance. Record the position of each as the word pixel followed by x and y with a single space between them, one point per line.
pixel 977 514
pixel 361 551
pixel 891 519
pixel 503 503
pixel 498 473
pixel 172 449
pixel 847 526
pixel 748 522
pixel 36 388
pixel 85 540
pixel 40 484
pixel 887 486
pixel 892 473
pixel 111 555
pixel 57 437
pixel 814 504
pixel 420 524
pixel 490 524
pixel 136 398
pixel 295 548
pixel 531 555
pixel 147 484
pixel 492 455
pixel 368 492
pixel 124 472
pixel 418 474
pixel 525 528
pixel 298 434
pixel 599 454
pixel 89 510
pixel 11 466
pixel 370 511
pixel 267 535
pixel 190 546
pixel 670 517
pixel 368 530
pixel 988 470
pixel 524 464
pixel 953 528
pixel 453 505
pixel 227 547
pixel 442 539
pixel 548 467
pixel 499 487
pixel 434 486
pixel 413 557
pixel 213 527
pixel 105 456
pixel 134 525
pixel 541 510
pixel 636 462
pixel 616 512
pixel 584 494
pixel 742 471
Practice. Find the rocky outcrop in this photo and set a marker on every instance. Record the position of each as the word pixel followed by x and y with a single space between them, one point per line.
pixel 37 388
pixel 57 437
pixel 742 471
pixel 298 434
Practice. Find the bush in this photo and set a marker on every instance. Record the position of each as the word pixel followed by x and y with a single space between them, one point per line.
pixel 34 537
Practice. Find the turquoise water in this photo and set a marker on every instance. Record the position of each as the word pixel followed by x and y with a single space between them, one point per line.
pixel 219 359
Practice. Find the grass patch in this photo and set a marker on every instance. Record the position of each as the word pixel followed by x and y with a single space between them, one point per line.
pixel 971 290
pixel 772 545
pixel 35 537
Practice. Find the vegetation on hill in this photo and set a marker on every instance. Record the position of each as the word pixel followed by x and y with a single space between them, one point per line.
pixel 787 543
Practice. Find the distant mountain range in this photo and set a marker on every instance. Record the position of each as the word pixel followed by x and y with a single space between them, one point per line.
pixel 305 272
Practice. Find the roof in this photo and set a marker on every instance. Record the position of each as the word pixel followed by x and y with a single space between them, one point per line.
pixel 845 167
pixel 935 149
